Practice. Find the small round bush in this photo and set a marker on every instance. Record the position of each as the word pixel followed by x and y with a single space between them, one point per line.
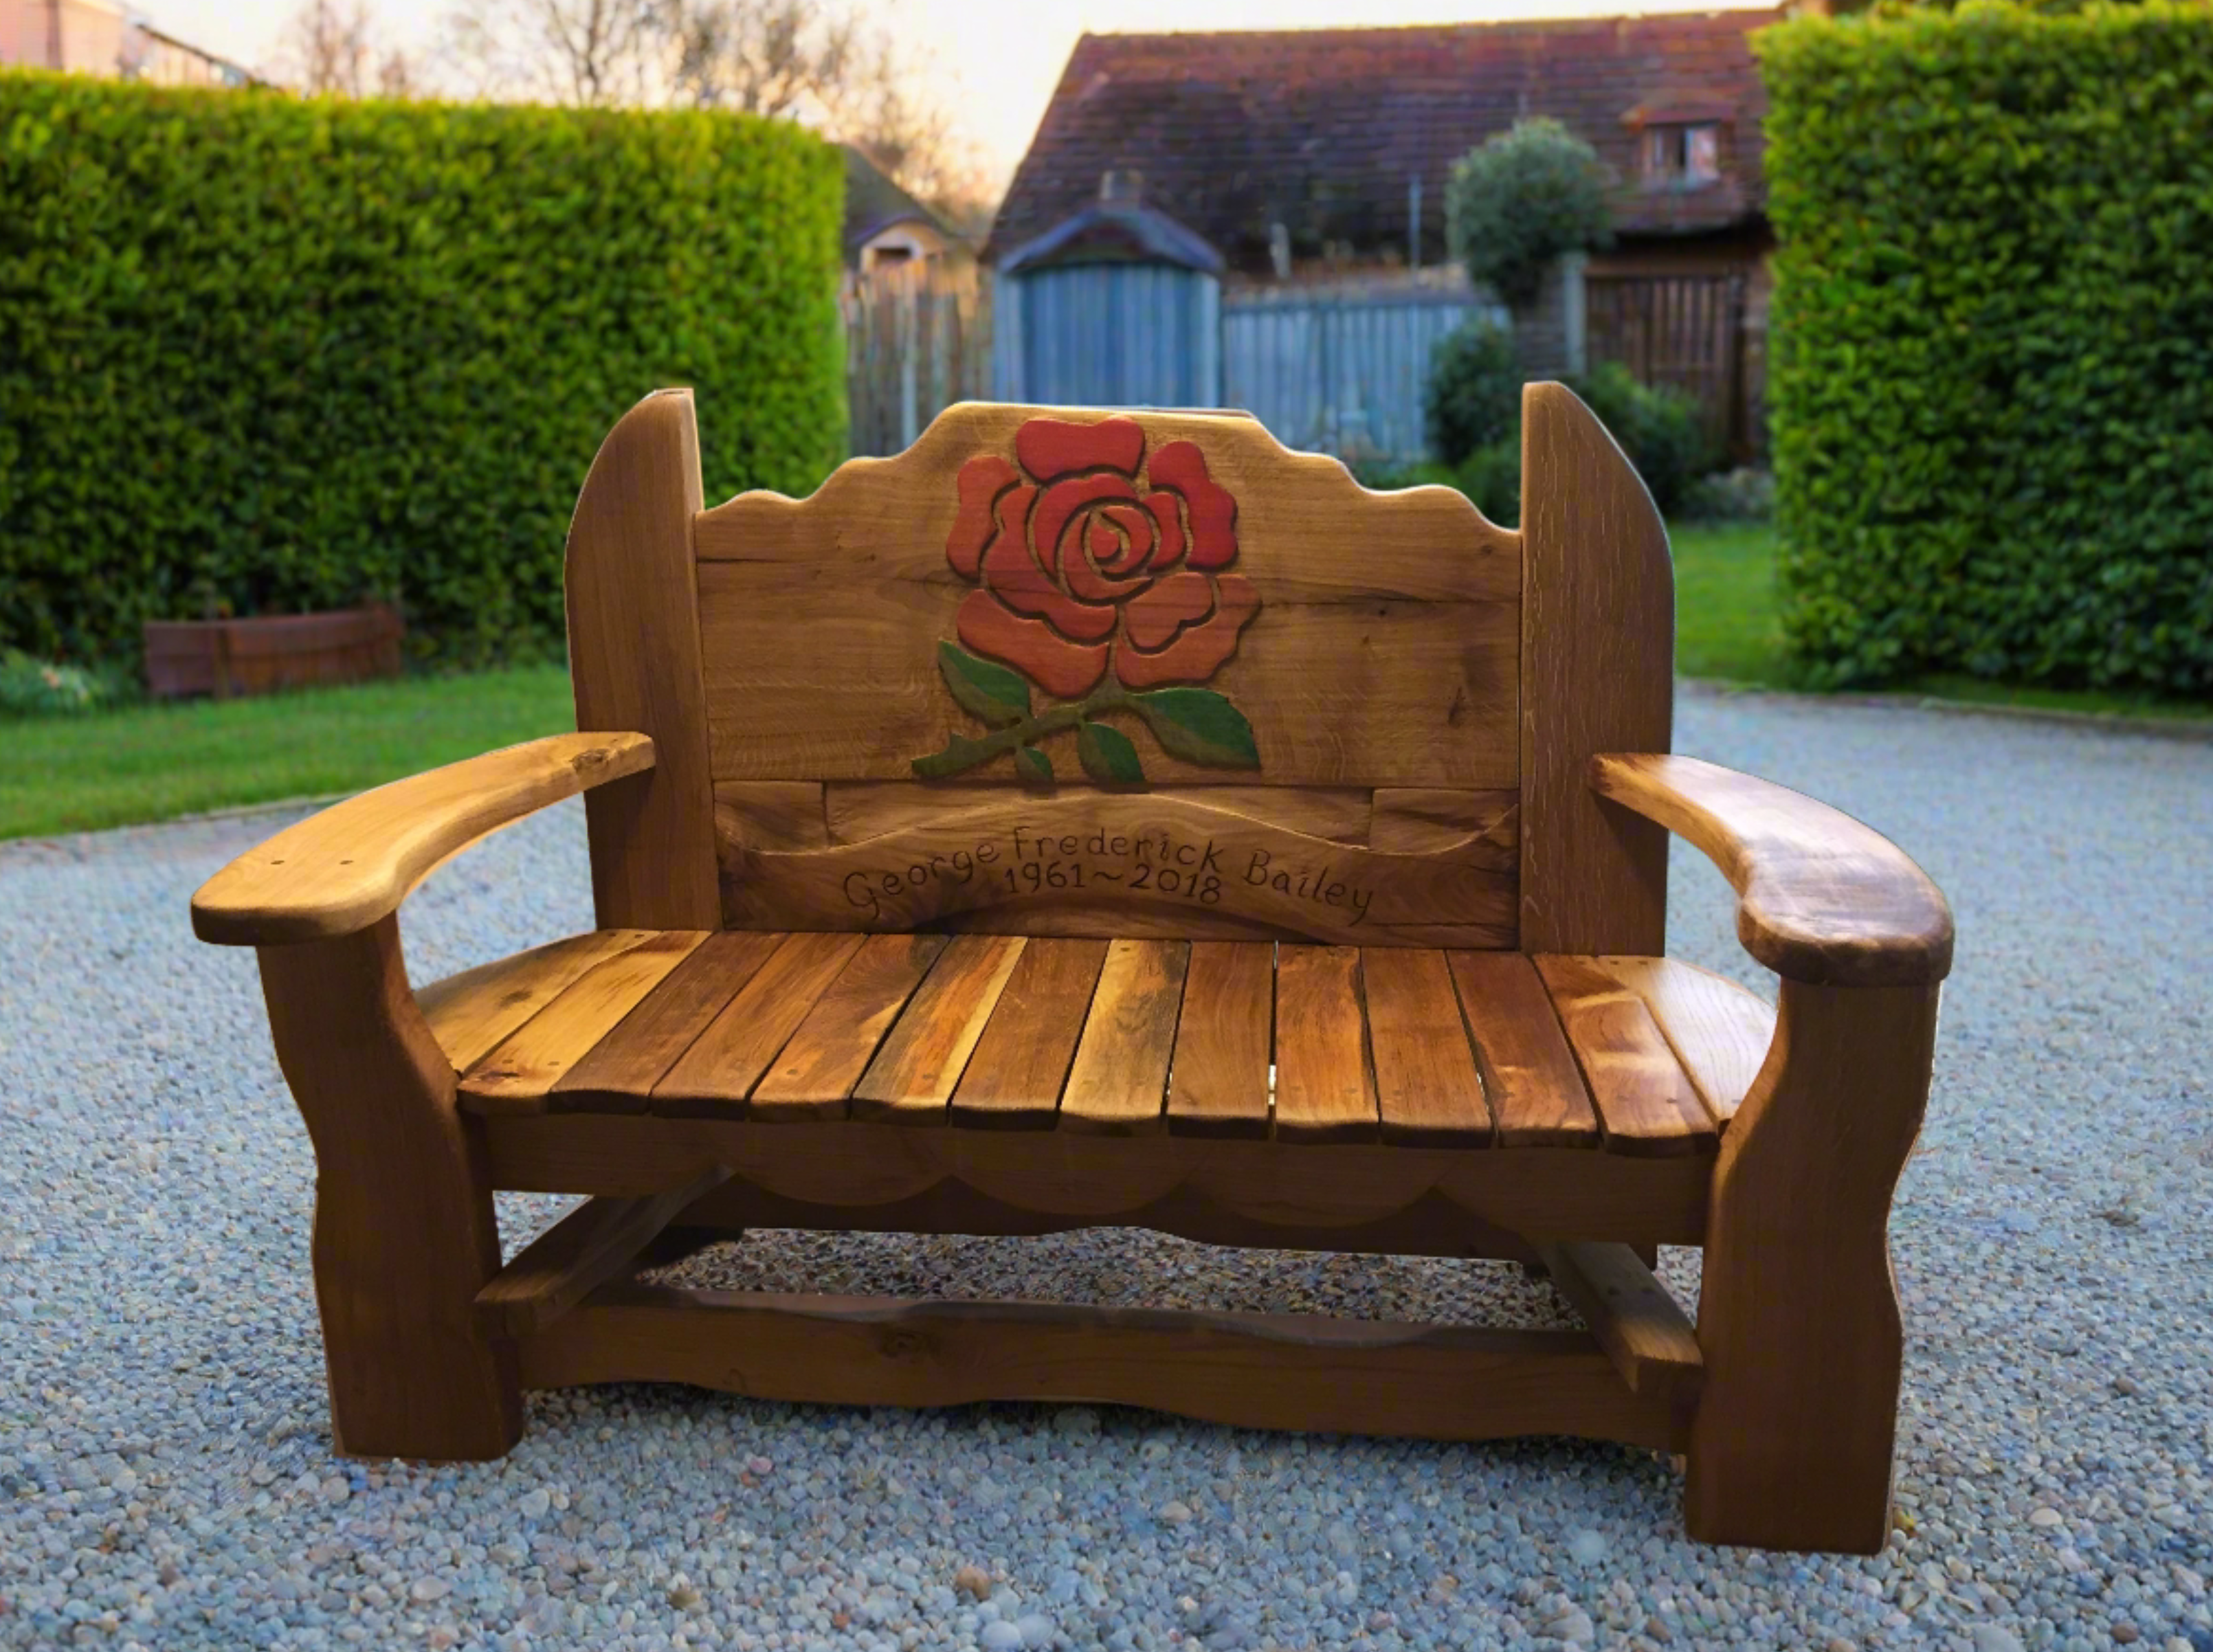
pixel 1660 428
pixel 1474 397
pixel 1519 200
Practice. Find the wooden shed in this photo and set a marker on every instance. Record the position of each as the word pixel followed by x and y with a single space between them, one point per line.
pixel 1118 306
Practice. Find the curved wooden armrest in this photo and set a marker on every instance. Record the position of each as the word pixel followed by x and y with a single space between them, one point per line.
pixel 1820 898
pixel 339 871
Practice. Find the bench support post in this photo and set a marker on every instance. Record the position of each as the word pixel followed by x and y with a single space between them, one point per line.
pixel 1798 1317
pixel 404 1231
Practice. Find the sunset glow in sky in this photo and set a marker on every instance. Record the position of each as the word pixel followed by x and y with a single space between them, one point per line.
pixel 1001 58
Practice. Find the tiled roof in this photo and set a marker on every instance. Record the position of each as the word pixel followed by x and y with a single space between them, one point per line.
pixel 1321 130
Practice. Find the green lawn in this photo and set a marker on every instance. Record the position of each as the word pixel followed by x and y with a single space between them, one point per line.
pixel 155 762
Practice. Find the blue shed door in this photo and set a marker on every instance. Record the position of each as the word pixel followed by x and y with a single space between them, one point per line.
pixel 1118 335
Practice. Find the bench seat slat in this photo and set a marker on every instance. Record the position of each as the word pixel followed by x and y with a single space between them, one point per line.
pixel 1529 1075
pixel 718 1072
pixel 1225 1041
pixel 471 1013
pixel 1118 1084
pixel 1426 1086
pixel 1643 1097
pixel 916 1071
pixel 619 1073
pixel 817 1070
pixel 1324 1090
pixel 1014 1079
pixel 1718 1031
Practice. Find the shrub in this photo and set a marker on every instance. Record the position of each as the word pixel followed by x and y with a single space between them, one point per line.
pixel 30 688
pixel 1992 383
pixel 279 352
pixel 1474 395
pixel 1662 428
pixel 1519 200
pixel 1746 494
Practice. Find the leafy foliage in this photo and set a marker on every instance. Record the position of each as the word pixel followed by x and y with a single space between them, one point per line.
pixel 1519 200
pixel 1992 380
pixel 272 354
pixel 1659 427
pixel 1474 395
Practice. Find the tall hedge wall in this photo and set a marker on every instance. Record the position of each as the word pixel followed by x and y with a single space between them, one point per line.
pixel 289 351
pixel 1992 385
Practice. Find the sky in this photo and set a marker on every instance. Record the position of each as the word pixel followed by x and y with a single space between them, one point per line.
pixel 1001 58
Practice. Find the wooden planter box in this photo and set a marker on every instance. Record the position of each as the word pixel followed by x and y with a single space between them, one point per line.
pixel 224 657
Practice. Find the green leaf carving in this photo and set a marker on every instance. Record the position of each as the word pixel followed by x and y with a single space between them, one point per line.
pixel 1108 755
pixel 1199 726
pixel 1035 766
pixel 998 696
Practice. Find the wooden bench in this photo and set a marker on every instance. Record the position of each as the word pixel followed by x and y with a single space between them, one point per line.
pixel 1089 818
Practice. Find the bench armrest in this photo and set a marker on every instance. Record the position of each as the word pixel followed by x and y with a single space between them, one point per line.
pixel 1820 898
pixel 340 870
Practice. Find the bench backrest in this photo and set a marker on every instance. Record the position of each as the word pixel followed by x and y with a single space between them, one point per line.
pixel 1071 672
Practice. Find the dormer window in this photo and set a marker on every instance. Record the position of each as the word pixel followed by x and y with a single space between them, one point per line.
pixel 1683 155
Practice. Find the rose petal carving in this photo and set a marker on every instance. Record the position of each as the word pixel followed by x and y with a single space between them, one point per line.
pixel 1199 650
pixel 1152 618
pixel 1012 575
pixel 1181 466
pixel 1065 669
pixel 981 481
pixel 1137 535
pixel 1067 498
pixel 1052 447
pixel 1161 506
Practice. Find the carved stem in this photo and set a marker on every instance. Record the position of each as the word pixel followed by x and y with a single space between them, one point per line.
pixel 962 752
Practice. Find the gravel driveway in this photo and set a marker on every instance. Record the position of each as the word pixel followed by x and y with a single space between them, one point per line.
pixel 166 1479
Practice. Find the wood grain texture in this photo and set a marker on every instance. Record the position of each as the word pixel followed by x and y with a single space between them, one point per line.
pixel 915 1073
pixel 864 1169
pixel 618 1073
pixel 1324 1089
pixel 1250 1370
pixel 1646 1335
pixel 1598 660
pixel 1424 820
pixel 1530 1078
pixel 633 609
pixel 516 1076
pixel 770 814
pixel 1013 1080
pixel 597 1241
pixel 470 1013
pixel 1644 1099
pixel 719 1069
pixel 404 1231
pixel 1798 1311
pixel 1383 652
pixel 1118 1084
pixel 857 810
pixel 346 867
pixel 817 1070
pixel 1163 862
pixel 1718 1031
pixel 1225 1043
pixel 1426 1086
pixel 1820 898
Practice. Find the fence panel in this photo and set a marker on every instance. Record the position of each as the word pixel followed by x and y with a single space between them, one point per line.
pixel 1340 372
pixel 1683 329
pixel 918 339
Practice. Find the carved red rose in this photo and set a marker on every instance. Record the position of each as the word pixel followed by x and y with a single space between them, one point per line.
pixel 1080 563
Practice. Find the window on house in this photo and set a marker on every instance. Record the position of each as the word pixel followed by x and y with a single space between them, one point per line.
pixel 1683 155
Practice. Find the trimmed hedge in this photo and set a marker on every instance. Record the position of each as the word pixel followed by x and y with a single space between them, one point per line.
pixel 285 352
pixel 1992 384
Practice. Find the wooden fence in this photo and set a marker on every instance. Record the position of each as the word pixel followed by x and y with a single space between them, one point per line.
pixel 918 339
pixel 1687 330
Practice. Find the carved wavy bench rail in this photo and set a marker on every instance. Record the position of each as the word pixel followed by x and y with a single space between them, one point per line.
pixel 1097 819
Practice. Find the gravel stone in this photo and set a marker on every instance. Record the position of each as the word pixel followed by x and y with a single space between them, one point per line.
pixel 168 1482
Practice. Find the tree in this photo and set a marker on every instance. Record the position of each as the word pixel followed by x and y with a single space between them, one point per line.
pixel 1518 201
pixel 590 52
pixel 333 48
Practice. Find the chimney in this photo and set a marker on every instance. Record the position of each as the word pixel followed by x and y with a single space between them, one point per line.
pixel 1121 186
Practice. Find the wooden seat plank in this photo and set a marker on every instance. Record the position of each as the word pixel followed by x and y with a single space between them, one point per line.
pixel 1218 1084
pixel 1718 1031
pixel 714 1076
pixel 1536 1092
pixel 618 1073
pixel 1426 1086
pixel 1644 1099
pixel 1014 1078
pixel 471 1013
pixel 1118 1083
pixel 915 1072
pixel 817 1070
pixel 1324 1090
pixel 514 1077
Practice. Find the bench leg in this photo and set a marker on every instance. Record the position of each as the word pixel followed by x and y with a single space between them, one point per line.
pixel 1798 1317
pixel 404 1231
